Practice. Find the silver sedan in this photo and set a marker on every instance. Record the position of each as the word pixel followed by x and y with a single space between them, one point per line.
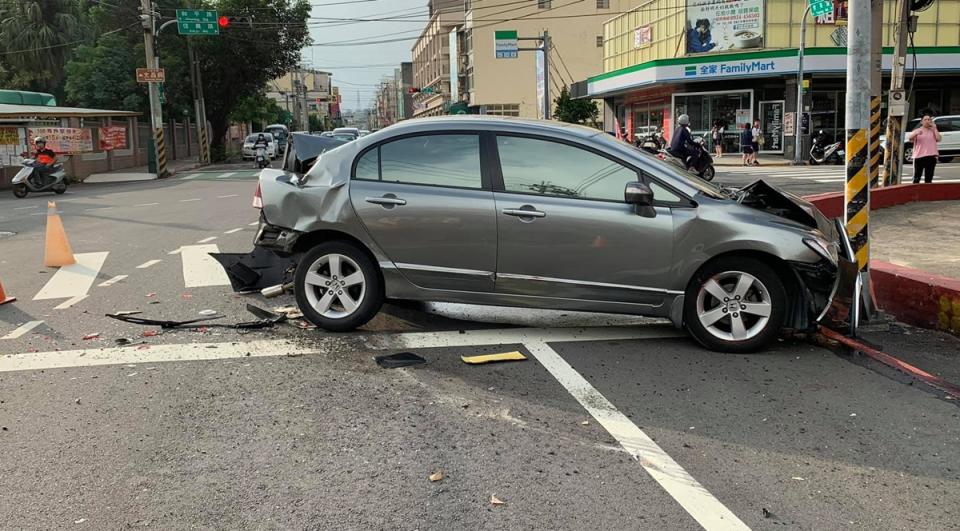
pixel 540 214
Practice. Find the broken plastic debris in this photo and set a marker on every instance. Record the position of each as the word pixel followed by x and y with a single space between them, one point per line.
pixel 798 478
pixel 292 312
pixel 487 358
pixel 150 333
pixel 127 312
pixel 496 501
pixel 585 423
pixel 265 319
pixel 92 336
pixel 208 312
pixel 401 359
pixel 436 476
pixel 152 294
pixel 80 521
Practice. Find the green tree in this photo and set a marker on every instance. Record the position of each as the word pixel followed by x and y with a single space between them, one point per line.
pixel 101 76
pixel 316 123
pixel 259 110
pixel 241 60
pixel 575 111
pixel 35 37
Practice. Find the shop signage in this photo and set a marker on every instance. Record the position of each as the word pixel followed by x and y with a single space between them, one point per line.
pixel 150 75
pixel 837 15
pixel 771 123
pixel 789 123
pixel 9 136
pixel 113 137
pixel 839 36
pixel 65 140
pixel 505 44
pixel 724 26
pixel 454 65
pixel 642 36
pixel 720 69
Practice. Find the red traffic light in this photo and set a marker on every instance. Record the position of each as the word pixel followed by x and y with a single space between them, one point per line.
pixel 223 21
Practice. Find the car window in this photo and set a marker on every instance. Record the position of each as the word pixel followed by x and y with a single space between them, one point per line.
pixel 439 160
pixel 368 167
pixel 662 194
pixel 948 125
pixel 550 168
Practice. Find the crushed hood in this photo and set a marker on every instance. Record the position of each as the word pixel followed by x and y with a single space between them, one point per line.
pixel 768 198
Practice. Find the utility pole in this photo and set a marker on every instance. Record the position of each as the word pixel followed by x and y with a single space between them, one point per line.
pixel 876 88
pixel 544 49
pixel 897 100
pixel 198 112
pixel 304 116
pixel 148 19
pixel 857 124
pixel 798 119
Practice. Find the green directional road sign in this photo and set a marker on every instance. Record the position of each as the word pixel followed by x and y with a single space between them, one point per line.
pixel 197 22
pixel 819 8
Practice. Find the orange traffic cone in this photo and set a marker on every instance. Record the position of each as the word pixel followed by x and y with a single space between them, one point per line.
pixel 3 296
pixel 58 252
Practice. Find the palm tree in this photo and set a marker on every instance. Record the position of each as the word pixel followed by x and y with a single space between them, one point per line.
pixel 36 37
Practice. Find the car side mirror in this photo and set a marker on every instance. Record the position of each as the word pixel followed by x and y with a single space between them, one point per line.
pixel 640 196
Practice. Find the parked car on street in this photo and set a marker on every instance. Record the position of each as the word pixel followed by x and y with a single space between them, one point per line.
pixel 249 153
pixel 526 213
pixel 949 147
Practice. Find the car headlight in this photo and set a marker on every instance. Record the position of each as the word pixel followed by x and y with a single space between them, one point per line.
pixel 824 248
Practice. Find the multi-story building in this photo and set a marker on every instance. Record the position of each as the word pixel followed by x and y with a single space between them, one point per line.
pixel 431 58
pixel 509 86
pixel 735 61
pixel 303 90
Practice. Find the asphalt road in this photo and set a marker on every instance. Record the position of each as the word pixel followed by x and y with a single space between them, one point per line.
pixel 610 423
pixel 805 180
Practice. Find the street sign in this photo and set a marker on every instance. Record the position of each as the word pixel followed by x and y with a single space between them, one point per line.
pixel 839 36
pixel 819 8
pixel 197 22
pixel 505 44
pixel 150 75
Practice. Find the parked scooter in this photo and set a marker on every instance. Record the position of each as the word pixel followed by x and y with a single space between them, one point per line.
pixel 36 177
pixel 261 159
pixel 652 143
pixel 823 153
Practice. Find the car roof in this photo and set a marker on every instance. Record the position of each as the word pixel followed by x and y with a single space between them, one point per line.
pixel 486 122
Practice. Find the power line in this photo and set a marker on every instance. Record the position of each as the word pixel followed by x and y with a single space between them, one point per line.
pixel 52 46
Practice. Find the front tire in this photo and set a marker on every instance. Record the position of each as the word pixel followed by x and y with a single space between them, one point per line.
pixel 20 190
pixel 735 304
pixel 338 286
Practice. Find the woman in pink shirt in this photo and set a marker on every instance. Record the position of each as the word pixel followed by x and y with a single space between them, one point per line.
pixel 925 151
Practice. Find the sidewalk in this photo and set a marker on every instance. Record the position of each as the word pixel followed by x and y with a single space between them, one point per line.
pixel 735 159
pixel 140 173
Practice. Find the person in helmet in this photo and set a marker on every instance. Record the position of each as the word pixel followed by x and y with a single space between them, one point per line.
pixel 681 145
pixel 41 154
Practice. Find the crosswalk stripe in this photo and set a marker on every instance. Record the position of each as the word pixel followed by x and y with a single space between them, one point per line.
pixel 226 175
pixel 112 281
pixel 73 280
pixel 22 329
pixel 148 263
pixel 231 231
pixel 193 176
pixel 69 302
pixel 200 269
pixel 207 240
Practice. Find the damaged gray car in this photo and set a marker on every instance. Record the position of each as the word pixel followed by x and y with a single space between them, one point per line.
pixel 535 214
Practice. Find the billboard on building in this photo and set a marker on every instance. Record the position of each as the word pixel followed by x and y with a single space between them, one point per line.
pixel 722 26
pixel 454 66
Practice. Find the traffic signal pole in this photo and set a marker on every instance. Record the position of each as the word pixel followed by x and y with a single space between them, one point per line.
pixel 148 19
pixel 857 124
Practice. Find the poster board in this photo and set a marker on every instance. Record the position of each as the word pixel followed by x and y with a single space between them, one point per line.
pixel 65 140
pixel 723 26
pixel 112 137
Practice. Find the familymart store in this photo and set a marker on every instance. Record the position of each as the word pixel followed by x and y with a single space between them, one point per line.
pixel 735 88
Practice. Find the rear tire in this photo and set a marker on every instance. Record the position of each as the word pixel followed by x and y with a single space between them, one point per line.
pixel 20 190
pixel 735 304
pixel 708 173
pixel 59 190
pixel 338 286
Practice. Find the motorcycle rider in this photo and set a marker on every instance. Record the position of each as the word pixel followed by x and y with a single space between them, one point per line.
pixel 46 158
pixel 682 145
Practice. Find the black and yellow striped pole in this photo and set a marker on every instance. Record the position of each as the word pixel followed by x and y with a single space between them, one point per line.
pixel 161 152
pixel 857 197
pixel 876 156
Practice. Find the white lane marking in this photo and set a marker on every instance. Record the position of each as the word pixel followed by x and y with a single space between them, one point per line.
pixel 254 224
pixel 69 302
pixel 200 269
pixel 44 213
pixel 231 231
pixel 148 263
pixel 176 251
pixel 192 176
pixel 226 196
pixel 26 207
pixel 146 204
pixel 321 345
pixel 206 240
pixel 95 208
pixel 679 484
pixel 73 280
pixel 225 175
pixel 829 180
pixel 22 329
pixel 112 281
pixel 188 200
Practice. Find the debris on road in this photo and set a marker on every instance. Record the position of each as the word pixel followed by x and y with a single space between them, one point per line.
pixel 151 333
pixel 127 312
pixel 266 319
pixel 94 335
pixel 496 501
pixel 797 478
pixel 152 294
pixel 436 476
pixel 488 358
pixel 401 359
pixel 292 312
pixel 208 313
pixel 256 270
pixel 585 423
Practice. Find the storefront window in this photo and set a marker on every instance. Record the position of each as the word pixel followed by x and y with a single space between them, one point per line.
pixel 647 118
pixel 706 109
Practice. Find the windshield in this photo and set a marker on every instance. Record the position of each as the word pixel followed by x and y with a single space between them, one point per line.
pixel 667 167
pixel 278 133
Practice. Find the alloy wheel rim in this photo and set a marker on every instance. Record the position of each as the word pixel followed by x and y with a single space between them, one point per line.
pixel 734 306
pixel 335 286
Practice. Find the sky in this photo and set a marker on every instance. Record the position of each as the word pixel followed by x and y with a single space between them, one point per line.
pixel 358 69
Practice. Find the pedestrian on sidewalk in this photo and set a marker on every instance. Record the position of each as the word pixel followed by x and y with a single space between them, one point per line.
pixel 925 152
pixel 746 144
pixel 717 136
pixel 757 136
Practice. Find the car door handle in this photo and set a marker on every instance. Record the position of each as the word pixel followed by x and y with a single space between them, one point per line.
pixel 523 213
pixel 392 201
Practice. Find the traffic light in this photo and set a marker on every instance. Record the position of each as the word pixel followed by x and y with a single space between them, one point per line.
pixel 413 90
pixel 227 22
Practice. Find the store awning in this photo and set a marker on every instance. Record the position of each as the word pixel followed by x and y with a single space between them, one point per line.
pixel 28 112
